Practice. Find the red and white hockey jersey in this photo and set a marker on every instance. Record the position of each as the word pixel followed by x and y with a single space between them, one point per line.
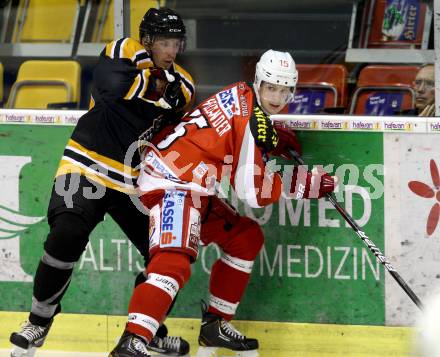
pixel 217 140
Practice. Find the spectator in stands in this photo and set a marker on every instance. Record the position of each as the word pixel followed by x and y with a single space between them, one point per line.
pixel 424 86
pixel 137 89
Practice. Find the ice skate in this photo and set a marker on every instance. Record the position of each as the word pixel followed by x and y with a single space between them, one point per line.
pixel 216 332
pixel 130 345
pixel 28 339
pixel 169 345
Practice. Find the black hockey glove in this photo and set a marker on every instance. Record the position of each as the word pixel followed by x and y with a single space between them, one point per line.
pixel 171 94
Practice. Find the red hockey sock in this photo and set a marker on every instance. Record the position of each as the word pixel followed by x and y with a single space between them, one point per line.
pixel 167 273
pixel 227 286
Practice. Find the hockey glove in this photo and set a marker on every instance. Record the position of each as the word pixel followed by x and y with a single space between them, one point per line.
pixel 162 87
pixel 286 140
pixel 171 94
pixel 310 184
pixel 162 74
pixel 157 80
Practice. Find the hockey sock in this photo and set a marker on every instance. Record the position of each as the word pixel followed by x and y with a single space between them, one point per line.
pixel 49 287
pixel 167 273
pixel 225 296
pixel 230 274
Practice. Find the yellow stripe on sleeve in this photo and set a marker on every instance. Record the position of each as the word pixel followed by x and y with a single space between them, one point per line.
pixel 134 87
pixel 109 49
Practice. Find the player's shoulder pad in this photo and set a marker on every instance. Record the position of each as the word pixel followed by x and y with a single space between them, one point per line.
pixel 184 74
pixel 125 47
pixel 228 100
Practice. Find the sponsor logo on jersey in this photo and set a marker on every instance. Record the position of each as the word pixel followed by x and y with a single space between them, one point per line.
pixel 151 228
pixel 265 135
pixel 200 170
pixel 154 164
pixel 228 101
pixel 172 219
pixel 244 105
pixel 194 232
pixel 215 116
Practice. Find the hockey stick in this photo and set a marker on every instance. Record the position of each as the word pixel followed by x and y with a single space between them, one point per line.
pixel 369 243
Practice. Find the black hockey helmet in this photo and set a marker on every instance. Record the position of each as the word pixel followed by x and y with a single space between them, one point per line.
pixel 161 22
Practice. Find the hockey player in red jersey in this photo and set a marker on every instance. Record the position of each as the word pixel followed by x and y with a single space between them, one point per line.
pixel 228 136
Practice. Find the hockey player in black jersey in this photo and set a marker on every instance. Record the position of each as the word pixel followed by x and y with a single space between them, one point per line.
pixel 137 89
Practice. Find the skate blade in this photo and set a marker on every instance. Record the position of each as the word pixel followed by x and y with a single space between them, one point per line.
pixel 207 352
pixel 21 352
pixel 157 354
pixel 252 353
pixel 212 352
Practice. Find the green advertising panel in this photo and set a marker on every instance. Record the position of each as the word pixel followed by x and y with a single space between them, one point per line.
pixel 313 267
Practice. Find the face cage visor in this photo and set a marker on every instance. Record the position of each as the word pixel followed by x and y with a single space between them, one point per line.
pixel 275 93
pixel 147 40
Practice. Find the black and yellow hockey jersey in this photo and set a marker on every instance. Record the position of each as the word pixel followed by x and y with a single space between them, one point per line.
pixel 103 143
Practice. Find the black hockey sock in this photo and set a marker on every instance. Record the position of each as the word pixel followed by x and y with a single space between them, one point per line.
pixel 49 287
pixel 51 282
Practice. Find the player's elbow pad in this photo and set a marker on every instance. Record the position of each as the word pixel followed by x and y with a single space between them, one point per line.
pixel 304 184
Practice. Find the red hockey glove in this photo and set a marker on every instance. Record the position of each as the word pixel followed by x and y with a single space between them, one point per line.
pixel 306 184
pixel 286 140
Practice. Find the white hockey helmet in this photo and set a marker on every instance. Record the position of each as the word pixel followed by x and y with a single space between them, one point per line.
pixel 277 68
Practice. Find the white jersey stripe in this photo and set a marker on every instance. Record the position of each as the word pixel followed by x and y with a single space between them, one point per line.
pixel 144 61
pixel 144 85
pixel 97 173
pixel 133 58
pixel 187 79
pixel 165 283
pixel 222 305
pixel 82 153
pixel 112 52
pixel 121 48
pixel 237 263
pixel 245 176
pixel 145 321
pixel 138 79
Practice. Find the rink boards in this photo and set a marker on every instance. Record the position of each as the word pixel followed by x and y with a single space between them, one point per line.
pixel 97 334
pixel 313 269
